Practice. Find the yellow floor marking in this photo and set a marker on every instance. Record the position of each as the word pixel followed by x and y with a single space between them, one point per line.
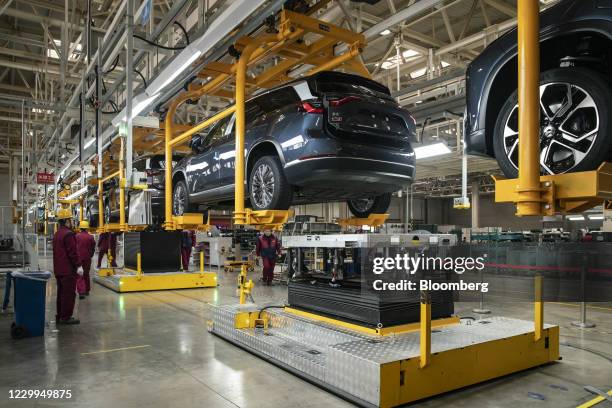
pixel 594 401
pixel 117 349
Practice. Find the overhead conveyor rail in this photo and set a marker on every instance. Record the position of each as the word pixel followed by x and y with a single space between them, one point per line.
pixel 287 45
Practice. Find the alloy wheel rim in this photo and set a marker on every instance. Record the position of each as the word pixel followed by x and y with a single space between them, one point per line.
pixel 569 127
pixel 179 200
pixel 263 186
pixel 363 204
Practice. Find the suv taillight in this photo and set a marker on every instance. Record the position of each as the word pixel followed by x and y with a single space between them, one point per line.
pixel 312 106
pixel 343 101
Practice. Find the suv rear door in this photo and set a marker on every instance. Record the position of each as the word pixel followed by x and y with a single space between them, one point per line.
pixel 363 111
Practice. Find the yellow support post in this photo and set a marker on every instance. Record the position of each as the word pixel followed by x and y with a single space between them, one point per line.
pixel 529 190
pixel 239 171
pixel 425 331
pixel 538 305
pixel 171 142
pixel 122 184
pixel 138 266
pixel 201 262
pixel 100 205
pixel 244 286
pixel 168 154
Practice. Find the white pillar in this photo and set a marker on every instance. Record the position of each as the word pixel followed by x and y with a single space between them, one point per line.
pixel 475 205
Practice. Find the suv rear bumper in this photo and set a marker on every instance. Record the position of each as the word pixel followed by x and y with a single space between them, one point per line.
pixel 349 173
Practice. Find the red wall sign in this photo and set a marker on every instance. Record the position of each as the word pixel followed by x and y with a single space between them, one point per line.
pixel 45 178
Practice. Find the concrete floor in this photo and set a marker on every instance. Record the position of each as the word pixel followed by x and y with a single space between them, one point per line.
pixel 152 350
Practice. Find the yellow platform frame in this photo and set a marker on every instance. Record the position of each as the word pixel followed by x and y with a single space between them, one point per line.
pixel 406 381
pixel 412 379
pixel 165 281
pixel 564 193
pixel 137 281
pixel 374 331
pixel 373 220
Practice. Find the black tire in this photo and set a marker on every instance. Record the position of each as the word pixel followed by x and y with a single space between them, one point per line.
pixel 362 208
pixel 18 332
pixel 268 186
pixel 584 83
pixel 186 207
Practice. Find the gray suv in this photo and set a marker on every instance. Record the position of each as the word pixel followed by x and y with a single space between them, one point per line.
pixel 328 137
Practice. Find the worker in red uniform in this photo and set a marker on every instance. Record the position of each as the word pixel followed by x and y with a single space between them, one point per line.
pixel 106 241
pixel 86 247
pixel 66 267
pixel 188 240
pixel 268 247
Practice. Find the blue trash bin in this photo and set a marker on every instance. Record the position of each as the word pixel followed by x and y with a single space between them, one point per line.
pixel 30 295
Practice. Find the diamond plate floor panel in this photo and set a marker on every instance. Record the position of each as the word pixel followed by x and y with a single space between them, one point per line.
pixel 347 360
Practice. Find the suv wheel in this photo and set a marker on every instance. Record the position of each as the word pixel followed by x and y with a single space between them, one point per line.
pixel 180 198
pixel 363 207
pixel 268 187
pixel 574 124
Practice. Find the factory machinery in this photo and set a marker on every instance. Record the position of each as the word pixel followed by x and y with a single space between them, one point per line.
pixel 378 348
pixel 373 349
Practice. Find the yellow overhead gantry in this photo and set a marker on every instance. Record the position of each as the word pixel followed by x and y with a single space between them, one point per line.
pixel 533 194
pixel 290 49
pixel 487 352
pixel 120 173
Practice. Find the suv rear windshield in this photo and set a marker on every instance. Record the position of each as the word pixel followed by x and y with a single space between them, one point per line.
pixel 154 162
pixel 159 162
pixel 338 83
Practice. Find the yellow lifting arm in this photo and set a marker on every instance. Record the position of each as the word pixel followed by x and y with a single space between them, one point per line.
pixel 254 50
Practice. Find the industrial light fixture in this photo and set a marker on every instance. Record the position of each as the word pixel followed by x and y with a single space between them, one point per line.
pixel 596 217
pixel 140 102
pixel 91 141
pixel 77 193
pixel 220 29
pixel 183 61
pixel 575 217
pixel 140 106
pixel 436 149
pixel 68 164
pixel 385 32
pixel 183 67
